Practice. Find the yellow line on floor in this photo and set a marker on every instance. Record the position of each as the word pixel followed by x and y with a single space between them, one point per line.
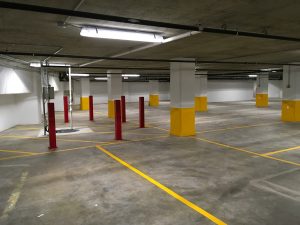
pixel 14 197
pixel 281 151
pixel 246 151
pixel 164 188
pixel 46 153
pixel 136 140
pixel 17 152
pixel 59 139
pixel 236 127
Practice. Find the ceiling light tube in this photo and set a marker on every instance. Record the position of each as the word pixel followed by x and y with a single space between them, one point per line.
pixel 130 75
pixel 120 34
pixel 252 75
pixel 35 64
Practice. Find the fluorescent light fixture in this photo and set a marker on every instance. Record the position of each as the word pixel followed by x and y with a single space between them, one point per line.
pixel 35 64
pixel 252 75
pixel 97 32
pixel 270 69
pixel 57 64
pixel 130 75
pixel 100 78
pixel 79 75
pixel 38 64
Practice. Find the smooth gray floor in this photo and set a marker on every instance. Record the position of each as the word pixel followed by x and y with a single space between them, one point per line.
pixel 221 170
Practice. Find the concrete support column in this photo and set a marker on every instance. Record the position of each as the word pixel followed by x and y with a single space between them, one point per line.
pixel 262 83
pixel 291 94
pixel 201 93
pixel 182 115
pixel 114 82
pixel 85 93
pixel 153 93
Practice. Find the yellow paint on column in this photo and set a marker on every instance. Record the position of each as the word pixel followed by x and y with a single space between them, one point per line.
pixel 153 100
pixel 262 100
pixel 201 104
pixel 84 103
pixel 182 121
pixel 111 109
pixel 290 111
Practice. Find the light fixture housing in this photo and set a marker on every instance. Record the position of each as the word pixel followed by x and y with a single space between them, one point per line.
pixel 38 64
pixel 117 34
pixel 131 75
pixel 100 78
pixel 80 75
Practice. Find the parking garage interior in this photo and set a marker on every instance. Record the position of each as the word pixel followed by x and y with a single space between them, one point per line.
pixel 149 112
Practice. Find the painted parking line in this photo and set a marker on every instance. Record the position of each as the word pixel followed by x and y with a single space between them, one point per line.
pixel 46 153
pixel 59 139
pixel 14 197
pixel 17 152
pixel 247 151
pixel 282 151
pixel 164 188
pixel 236 127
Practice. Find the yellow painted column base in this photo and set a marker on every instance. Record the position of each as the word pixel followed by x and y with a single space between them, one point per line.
pixel 111 109
pixel 182 122
pixel 84 103
pixel 201 104
pixel 153 100
pixel 290 111
pixel 262 100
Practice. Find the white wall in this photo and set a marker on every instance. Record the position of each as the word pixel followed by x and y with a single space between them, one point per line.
pixel 218 91
pixel 20 101
pixel 230 90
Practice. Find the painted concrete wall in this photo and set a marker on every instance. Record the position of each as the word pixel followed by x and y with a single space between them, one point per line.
pixel 20 101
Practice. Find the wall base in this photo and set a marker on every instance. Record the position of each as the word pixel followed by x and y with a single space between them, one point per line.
pixel 201 104
pixel 290 111
pixel 182 122
pixel 84 103
pixel 262 100
pixel 153 100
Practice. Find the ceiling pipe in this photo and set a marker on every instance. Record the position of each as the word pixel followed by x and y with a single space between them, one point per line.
pixel 146 59
pixel 96 16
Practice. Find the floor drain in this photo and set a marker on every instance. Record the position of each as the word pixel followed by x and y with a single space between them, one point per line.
pixel 65 131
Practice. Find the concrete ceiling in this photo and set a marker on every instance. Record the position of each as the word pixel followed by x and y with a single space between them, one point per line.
pixel 37 32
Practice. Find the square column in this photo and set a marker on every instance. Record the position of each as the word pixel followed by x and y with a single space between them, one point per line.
pixel 114 82
pixel 291 94
pixel 262 83
pixel 201 93
pixel 182 115
pixel 84 93
pixel 153 93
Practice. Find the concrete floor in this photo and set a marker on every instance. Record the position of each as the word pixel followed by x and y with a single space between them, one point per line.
pixel 224 170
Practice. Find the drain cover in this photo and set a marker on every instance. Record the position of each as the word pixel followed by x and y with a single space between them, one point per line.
pixel 65 131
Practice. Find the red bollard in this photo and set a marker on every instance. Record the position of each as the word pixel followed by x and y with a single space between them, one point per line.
pixel 118 120
pixel 123 108
pixel 142 112
pixel 66 109
pixel 91 102
pixel 51 127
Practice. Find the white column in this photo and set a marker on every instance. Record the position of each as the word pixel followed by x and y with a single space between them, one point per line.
pixel 201 93
pixel 84 93
pixel 182 98
pixel 262 83
pixel 291 94
pixel 153 93
pixel 114 82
